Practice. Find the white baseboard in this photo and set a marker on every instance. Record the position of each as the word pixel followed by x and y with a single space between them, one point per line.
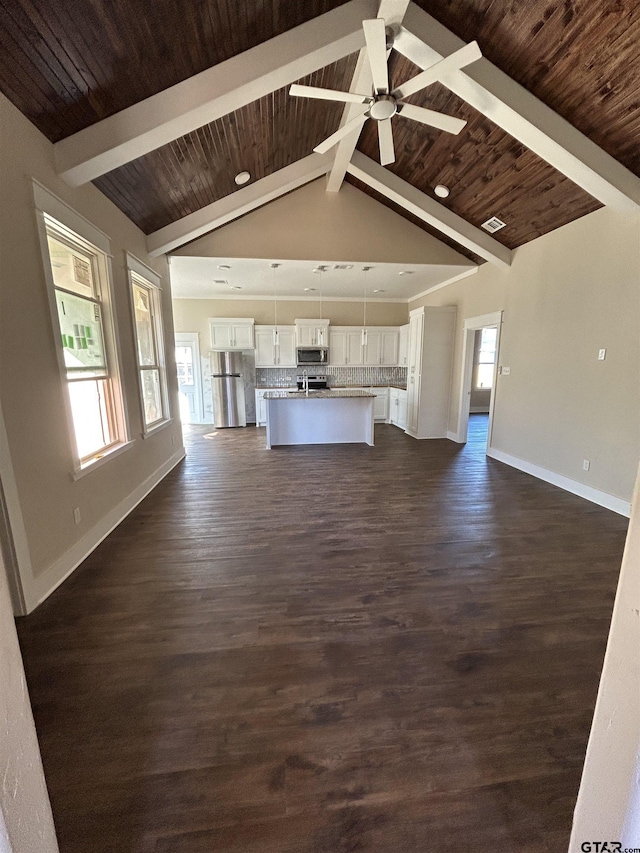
pixel 596 496
pixel 41 586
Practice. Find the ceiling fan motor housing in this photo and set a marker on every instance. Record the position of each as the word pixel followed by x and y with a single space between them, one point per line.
pixel 383 107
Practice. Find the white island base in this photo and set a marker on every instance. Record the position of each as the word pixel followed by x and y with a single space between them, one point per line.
pixel 324 417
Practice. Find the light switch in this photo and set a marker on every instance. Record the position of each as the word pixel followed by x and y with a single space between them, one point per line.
pixel 602 354
pixel 506 371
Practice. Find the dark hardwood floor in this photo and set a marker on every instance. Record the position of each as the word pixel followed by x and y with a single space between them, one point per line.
pixel 327 650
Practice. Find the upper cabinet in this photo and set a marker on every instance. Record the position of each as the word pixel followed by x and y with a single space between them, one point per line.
pixel 275 346
pixel 356 346
pixel 231 333
pixel 312 333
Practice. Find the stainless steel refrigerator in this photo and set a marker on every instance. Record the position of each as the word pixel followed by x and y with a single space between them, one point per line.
pixel 227 386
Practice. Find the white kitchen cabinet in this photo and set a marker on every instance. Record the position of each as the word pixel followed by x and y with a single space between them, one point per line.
pixel 398 407
pixel 372 346
pixel 337 346
pixel 431 337
pixel 355 350
pixel 231 333
pixel 381 403
pixel 389 345
pixel 312 333
pixel 403 346
pixel 275 346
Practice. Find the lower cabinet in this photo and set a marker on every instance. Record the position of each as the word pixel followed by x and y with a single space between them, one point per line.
pixel 398 407
pixel 261 406
pixel 380 404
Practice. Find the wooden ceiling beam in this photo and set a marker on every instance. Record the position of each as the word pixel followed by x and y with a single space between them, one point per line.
pixel 238 203
pixel 213 93
pixel 424 41
pixel 393 12
pixel 430 211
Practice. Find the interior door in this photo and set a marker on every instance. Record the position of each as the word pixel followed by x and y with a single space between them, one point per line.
pixel 189 379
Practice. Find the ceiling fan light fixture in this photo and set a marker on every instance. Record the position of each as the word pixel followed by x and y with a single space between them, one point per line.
pixel 441 191
pixel 242 178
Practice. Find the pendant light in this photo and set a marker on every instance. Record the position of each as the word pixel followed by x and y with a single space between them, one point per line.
pixel 274 267
pixel 364 308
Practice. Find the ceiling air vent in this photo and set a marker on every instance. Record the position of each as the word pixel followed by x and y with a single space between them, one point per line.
pixel 494 224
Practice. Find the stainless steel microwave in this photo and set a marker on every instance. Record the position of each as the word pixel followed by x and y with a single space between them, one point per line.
pixel 313 356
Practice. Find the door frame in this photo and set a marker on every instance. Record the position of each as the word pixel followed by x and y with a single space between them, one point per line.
pixel 182 338
pixel 471 326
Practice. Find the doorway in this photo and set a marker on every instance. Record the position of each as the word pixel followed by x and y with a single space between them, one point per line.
pixel 480 352
pixel 189 377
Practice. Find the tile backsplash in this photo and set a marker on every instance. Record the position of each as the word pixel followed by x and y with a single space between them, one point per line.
pixel 281 377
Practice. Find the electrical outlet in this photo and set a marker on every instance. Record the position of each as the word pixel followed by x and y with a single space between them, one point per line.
pixel 586 464
pixel 77 517
pixel 602 354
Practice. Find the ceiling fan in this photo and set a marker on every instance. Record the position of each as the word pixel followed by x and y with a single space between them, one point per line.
pixel 382 105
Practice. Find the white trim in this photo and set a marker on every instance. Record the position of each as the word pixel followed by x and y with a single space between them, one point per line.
pixel 522 115
pixel 596 496
pixel 215 92
pixel 295 299
pixel 139 268
pixel 453 436
pixel 429 210
pixel 158 427
pixel 41 586
pixel 482 320
pixel 108 455
pixel 446 283
pixel 49 203
pixel 238 203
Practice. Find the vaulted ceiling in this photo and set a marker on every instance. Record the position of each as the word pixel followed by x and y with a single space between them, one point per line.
pixel 69 64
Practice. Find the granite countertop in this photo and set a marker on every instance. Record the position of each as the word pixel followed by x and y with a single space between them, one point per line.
pixel 283 394
pixel 386 385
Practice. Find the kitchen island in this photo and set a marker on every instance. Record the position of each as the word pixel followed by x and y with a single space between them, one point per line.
pixel 319 417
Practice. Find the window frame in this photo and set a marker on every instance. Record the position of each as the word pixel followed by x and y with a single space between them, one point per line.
pixel 56 217
pixel 139 274
pixel 477 362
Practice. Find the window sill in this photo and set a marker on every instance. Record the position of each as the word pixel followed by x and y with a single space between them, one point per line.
pixel 98 463
pixel 157 428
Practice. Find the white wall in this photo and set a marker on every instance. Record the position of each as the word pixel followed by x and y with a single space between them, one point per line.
pixel 566 295
pixel 31 390
pixel 26 823
pixel 608 806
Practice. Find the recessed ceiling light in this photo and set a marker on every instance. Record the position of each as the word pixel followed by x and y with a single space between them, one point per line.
pixel 242 178
pixel 309 288
pixel 405 272
pixel 441 191
pixel 224 266
pixel 366 269
pixel 380 291
pixel 220 281
pixel 235 287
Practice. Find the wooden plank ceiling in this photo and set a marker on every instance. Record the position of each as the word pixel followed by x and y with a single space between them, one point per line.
pixel 67 64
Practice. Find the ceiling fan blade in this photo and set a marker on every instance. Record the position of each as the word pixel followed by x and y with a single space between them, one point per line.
pixel 385 141
pixel 327 94
pixel 432 118
pixel 345 130
pixel 376 40
pixel 459 59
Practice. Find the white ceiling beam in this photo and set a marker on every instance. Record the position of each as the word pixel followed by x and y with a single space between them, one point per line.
pixel 238 203
pixel 523 116
pixel 213 93
pixel 430 211
pixel 392 11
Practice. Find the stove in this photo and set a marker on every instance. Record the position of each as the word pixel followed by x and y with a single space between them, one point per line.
pixel 317 382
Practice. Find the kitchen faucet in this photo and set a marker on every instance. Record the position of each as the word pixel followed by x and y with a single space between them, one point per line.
pixel 305 381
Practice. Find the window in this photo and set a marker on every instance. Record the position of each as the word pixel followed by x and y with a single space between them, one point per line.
pixel 147 315
pixel 486 358
pixel 79 278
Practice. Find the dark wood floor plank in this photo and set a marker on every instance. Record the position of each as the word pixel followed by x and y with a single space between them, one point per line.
pixel 327 649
